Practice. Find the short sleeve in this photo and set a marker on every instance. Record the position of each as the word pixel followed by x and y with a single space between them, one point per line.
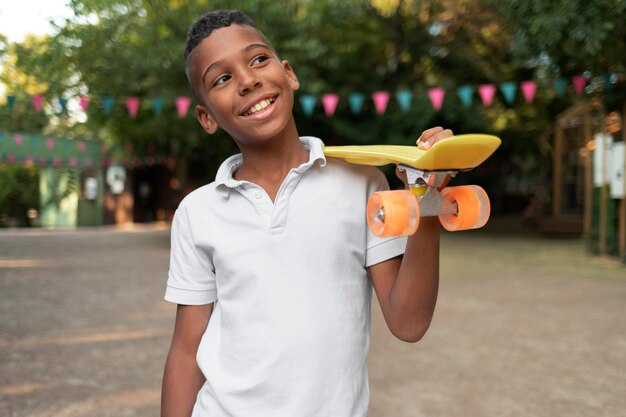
pixel 381 249
pixel 191 278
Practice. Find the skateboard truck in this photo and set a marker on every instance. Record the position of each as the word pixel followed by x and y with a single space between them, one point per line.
pixel 424 185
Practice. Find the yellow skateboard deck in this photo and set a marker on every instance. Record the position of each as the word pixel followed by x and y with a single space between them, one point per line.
pixel 454 153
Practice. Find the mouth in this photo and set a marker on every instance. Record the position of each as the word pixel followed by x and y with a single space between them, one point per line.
pixel 260 106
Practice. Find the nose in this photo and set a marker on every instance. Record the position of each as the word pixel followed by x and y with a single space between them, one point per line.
pixel 249 81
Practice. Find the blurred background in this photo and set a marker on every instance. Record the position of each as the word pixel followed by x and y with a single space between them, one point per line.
pixel 98 134
pixel 97 123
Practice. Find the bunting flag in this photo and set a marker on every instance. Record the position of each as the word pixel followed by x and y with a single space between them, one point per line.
pixel 330 103
pixel 107 105
pixel 579 82
pixel 83 101
pixel 81 146
pixel 182 106
pixel 380 99
pixel 63 103
pixel 356 102
pixel 50 144
pixel 10 101
pixel 404 98
pixel 509 91
pixel 560 85
pixel 18 140
pixel 307 101
pixel 436 96
pixel 157 105
pixel 528 90
pixel 37 102
pixel 486 92
pixel 466 94
pixel 608 81
pixel 132 104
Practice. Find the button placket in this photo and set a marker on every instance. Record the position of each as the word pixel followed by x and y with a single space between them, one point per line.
pixel 281 205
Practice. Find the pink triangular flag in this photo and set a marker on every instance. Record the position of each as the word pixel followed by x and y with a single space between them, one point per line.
pixel 529 88
pixel 18 139
pixel 50 144
pixel 381 99
pixel 132 104
pixel 486 92
pixel 436 96
pixel 579 82
pixel 81 146
pixel 330 103
pixel 37 102
pixel 84 102
pixel 182 105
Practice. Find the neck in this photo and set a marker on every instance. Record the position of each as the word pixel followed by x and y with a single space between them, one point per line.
pixel 273 159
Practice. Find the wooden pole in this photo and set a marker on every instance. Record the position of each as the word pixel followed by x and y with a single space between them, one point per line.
pixel 587 192
pixel 603 195
pixel 557 159
pixel 622 203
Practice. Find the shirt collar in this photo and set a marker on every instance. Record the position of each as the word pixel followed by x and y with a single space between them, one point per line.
pixel 225 181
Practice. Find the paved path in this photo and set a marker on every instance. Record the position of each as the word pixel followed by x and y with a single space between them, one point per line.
pixel 524 327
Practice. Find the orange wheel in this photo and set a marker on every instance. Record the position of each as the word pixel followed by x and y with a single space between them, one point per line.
pixel 393 213
pixel 472 208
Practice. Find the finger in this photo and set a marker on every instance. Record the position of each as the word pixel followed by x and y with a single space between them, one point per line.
pixel 443 134
pixel 401 174
pixel 426 134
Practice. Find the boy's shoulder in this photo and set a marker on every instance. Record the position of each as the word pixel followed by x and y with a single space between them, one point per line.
pixel 204 195
pixel 343 170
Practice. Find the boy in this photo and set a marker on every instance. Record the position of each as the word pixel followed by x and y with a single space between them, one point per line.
pixel 269 263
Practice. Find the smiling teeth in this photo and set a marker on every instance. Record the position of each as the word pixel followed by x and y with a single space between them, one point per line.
pixel 260 105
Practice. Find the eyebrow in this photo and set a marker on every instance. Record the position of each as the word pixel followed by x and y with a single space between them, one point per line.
pixel 246 49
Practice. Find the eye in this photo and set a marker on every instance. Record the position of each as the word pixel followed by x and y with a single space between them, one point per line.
pixel 259 59
pixel 221 79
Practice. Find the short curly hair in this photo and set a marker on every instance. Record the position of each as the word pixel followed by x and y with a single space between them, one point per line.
pixel 204 25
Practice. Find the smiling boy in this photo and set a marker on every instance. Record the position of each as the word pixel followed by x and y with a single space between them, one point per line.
pixel 272 264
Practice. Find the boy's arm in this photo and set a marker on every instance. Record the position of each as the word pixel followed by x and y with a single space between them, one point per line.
pixel 407 286
pixel 182 378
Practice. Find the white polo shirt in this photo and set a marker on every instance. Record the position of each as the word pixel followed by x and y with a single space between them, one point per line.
pixel 289 333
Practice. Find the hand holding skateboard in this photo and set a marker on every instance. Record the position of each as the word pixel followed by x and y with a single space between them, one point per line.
pixel 397 213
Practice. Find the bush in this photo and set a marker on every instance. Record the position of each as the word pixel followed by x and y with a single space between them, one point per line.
pixel 19 192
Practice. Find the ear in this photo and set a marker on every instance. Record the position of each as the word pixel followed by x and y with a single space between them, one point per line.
pixel 291 75
pixel 206 120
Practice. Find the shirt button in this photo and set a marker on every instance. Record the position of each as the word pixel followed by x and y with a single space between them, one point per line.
pixel 258 195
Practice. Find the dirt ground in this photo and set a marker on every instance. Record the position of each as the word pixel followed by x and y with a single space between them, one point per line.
pixel 524 326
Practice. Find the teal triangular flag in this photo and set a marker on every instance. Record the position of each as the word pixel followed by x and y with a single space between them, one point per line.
pixel 466 94
pixel 63 104
pixel 107 105
pixel 560 85
pixel 607 82
pixel 356 102
pixel 157 105
pixel 307 101
pixel 509 89
pixel 404 98
pixel 10 101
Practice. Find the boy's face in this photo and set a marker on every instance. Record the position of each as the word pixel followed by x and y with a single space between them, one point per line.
pixel 241 85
